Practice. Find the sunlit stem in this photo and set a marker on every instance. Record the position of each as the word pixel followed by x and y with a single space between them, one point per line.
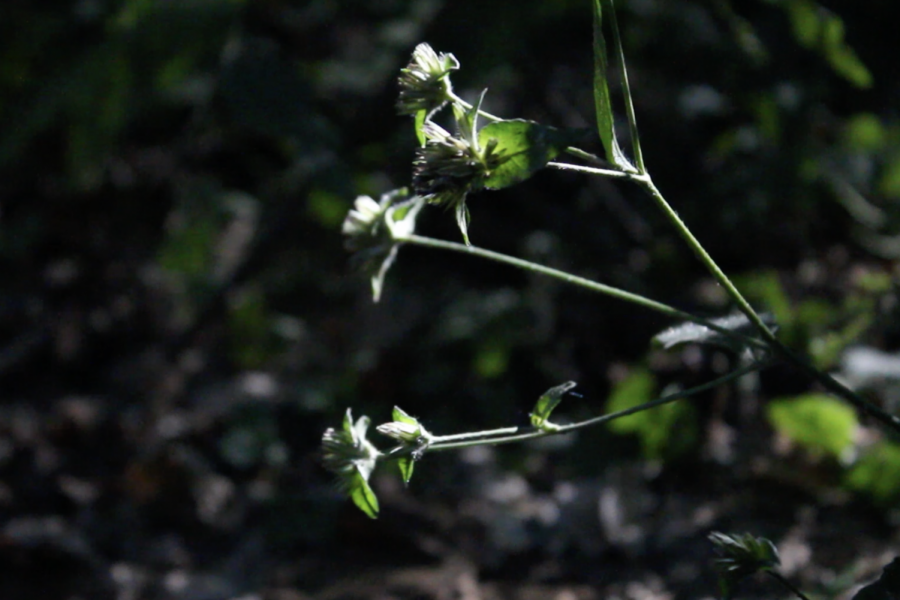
pixel 529 433
pixel 587 284
pixel 829 382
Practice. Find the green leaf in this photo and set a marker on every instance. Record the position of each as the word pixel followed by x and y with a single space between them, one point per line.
pixel 402 416
pixel 693 333
pixel 547 402
pixel 406 464
pixel 665 430
pixel 877 473
pixel 522 147
pixel 602 101
pixel 820 423
pixel 419 124
pixel 462 221
pixel 362 495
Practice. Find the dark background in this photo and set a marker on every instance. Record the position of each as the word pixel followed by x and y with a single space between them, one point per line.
pixel 179 322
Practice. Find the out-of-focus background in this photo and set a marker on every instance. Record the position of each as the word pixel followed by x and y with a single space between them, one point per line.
pixel 179 321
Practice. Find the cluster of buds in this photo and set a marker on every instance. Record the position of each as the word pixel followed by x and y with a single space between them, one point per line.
pixel 425 82
pixel 348 454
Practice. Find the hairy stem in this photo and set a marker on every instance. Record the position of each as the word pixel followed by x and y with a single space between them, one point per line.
pixel 587 284
pixel 829 382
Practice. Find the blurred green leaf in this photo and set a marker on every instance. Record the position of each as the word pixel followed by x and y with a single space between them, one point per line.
pixel 864 132
pixel 819 29
pixel 665 431
pixel 877 473
pixel 819 423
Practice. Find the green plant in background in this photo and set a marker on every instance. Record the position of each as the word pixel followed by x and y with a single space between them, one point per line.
pixel 449 166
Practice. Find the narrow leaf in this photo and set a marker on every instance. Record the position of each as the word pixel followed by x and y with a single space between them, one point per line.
pixel 462 221
pixel 406 465
pixel 363 496
pixel 421 115
pixel 549 401
pixel 602 100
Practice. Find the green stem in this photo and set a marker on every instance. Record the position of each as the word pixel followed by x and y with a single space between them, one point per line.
pixel 773 342
pixel 787 584
pixel 532 433
pixel 590 170
pixel 587 284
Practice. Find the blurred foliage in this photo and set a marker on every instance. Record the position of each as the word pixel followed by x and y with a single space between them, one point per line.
pixel 178 322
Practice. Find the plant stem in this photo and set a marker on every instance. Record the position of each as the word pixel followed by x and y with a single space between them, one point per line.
pixel 531 433
pixel 590 170
pixel 829 382
pixel 780 579
pixel 593 286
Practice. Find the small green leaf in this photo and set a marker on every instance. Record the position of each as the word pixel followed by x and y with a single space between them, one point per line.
pixel 818 422
pixel 421 115
pixel 547 402
pixel 877 474
pixel 402 416
pixel 462 221
pixel 523 148
pixel 602 101
pixel 363 496
pixel 406 464
pixel 663 431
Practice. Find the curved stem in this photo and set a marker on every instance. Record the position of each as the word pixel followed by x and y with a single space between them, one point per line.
pixel 587 284
pixel 530 433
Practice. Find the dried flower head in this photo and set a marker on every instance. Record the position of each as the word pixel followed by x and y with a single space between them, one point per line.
pixel 448 167
pixel 425 82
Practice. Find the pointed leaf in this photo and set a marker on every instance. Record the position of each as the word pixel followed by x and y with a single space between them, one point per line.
pixel 421 115
pixel 363 496
pixel 602 101
pixel 549 401
pixel 522 147
pixel 402 416
pixel 462 221
pixel 406 465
